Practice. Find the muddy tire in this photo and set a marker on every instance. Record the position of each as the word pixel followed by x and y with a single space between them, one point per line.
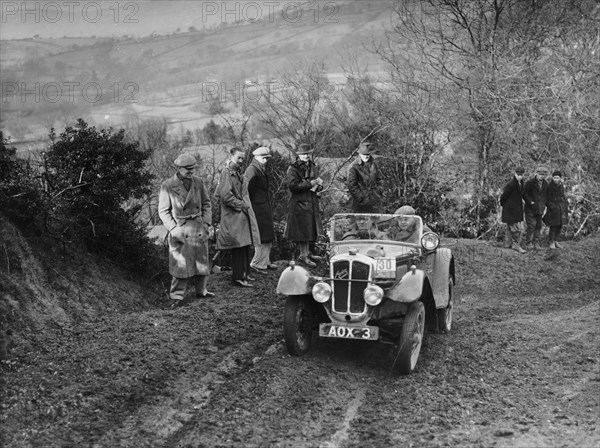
pixel 444 316
pixel 298 324
pixel 411 339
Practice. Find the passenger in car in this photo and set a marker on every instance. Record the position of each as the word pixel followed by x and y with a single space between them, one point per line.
pixel 406 227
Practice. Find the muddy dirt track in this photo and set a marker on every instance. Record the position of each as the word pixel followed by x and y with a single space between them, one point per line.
pixel 521 368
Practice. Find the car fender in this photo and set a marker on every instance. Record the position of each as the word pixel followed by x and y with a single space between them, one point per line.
pixel 410 287
pixel 294 280
pixel 441 264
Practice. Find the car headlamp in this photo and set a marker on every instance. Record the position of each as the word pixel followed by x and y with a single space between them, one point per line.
pixel 321 292
pixel 373 295
pixel 430 241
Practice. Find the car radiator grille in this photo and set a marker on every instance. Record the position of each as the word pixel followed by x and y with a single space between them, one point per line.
pixel 348 295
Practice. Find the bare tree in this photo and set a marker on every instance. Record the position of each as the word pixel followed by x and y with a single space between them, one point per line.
pixel 291 109
pixel 488 58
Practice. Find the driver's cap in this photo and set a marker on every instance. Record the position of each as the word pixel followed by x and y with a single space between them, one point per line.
pixel 405 210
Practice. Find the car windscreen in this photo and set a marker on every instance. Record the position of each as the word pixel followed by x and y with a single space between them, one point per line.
pixel 401 228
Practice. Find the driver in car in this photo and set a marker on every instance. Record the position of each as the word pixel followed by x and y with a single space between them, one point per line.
pixel 362 227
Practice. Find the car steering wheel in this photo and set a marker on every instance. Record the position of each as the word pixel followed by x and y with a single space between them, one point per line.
pixel 348 235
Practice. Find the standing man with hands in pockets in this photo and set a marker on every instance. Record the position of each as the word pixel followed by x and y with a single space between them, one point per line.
pixel 185 210
pixel 258 191
pixel 238 229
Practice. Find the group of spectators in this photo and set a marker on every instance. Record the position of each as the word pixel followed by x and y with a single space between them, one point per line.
pixel 246 220
pixel 540 202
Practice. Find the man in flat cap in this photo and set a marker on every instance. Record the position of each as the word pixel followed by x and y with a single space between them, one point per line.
pixel 534 194
pixel 557 213
pixel 511 201
pixel 405 227
pixel 304 217
pixel 185 210
pixel 364 182
pixel 258 190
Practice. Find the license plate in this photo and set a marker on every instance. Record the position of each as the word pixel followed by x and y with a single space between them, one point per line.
pixel 344 332
pixel 385 268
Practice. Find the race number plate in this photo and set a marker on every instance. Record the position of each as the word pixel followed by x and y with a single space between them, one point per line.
pixel 344 332
pixel 385 268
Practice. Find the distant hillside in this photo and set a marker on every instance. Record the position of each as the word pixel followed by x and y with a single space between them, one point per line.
pixel 163 75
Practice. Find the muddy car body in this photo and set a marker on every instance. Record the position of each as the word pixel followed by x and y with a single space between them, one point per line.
pixel 385 278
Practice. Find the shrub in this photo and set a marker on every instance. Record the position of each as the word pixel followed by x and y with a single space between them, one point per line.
pixel 89 175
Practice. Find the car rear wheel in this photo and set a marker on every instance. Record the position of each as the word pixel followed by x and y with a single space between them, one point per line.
pixel 411 338
pixel 298 324
pixel 445 315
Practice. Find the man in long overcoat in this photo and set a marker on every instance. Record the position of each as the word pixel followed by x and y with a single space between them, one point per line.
pixel 258 190
pixel 534 194
pixel 304 216
pixel 238 229
pixel 364 182
pixel 511 201
pixel 185 210
pixel 557 209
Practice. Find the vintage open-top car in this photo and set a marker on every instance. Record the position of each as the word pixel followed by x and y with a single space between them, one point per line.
pixel 386 278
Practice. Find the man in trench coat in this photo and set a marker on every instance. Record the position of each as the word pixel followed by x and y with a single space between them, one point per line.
pixel 363 182
pixel 258 190
pixel 238 229
pixel 511 201
pixel 304 217
pixel 185 210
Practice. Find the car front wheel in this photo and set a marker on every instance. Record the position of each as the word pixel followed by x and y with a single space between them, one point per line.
pixel 411 338
pixel 298 324
pixel 445 315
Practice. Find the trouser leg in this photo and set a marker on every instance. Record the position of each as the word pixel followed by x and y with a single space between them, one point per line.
pixel 515 233
pixel 530 223
pixel 262 254
pixel 200 282
pixel 538 228
pixel 508 239
pixel 238 263
pixel 553 233
pixel 247 258
pixel 178 288
pixel 303 246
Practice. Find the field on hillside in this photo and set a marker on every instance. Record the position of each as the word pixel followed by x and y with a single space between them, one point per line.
pixel 521 368
pixel 110 81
